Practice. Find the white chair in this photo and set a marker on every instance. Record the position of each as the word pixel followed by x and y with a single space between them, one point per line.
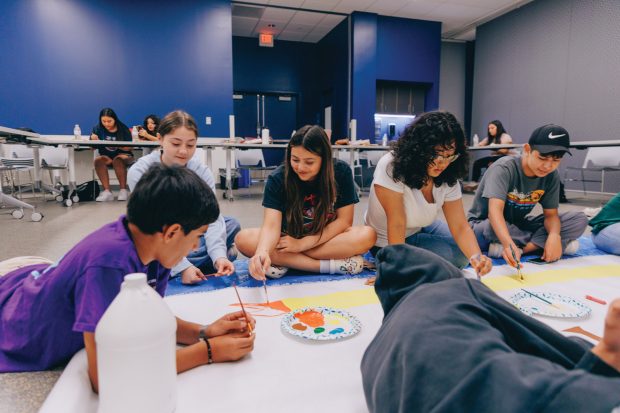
pixel 254 161
pixel 19 158
pixel 598 160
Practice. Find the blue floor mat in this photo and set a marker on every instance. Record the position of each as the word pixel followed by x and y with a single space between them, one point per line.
pixel 586 249
pixel 243 279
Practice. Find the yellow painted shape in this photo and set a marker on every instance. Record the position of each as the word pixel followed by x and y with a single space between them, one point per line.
pixel 511 282
pixel 341 299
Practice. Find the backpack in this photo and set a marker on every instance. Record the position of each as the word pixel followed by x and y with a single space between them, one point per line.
pixel 86 191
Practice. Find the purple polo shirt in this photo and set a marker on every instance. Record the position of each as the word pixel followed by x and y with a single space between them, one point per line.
pixel 44 309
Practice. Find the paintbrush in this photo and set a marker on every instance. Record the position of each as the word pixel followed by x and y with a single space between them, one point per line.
pixel 541 299
pixel 514 257
pixel 265 287
pixel 247 320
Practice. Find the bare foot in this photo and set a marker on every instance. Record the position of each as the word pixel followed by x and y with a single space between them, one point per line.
pixel 608 349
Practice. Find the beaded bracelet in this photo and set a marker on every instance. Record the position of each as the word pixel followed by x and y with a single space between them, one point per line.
pixel 209 351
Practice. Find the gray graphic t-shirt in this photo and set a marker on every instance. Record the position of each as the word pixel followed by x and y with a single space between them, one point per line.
pixel 505 180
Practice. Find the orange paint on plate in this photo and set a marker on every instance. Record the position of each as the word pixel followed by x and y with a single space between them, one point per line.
pixel 311 318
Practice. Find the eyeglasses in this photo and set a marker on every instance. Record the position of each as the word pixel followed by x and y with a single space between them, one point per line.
pixel 439 157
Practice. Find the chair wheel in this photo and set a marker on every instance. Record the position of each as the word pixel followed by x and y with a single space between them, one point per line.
pixel 59 198
pixel 67 202
pixel 36 216
pixel 75 199
pixel 18 214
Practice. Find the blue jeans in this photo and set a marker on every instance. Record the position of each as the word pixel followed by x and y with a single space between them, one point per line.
pixel 200 257
pixel 437 238
pixel 608 239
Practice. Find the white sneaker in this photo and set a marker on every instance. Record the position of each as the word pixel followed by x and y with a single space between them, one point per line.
pixel 275 271
pixel 105 196
pixel 232 253
pixel 572 247
pixel 351 265
pixel 495 250
pixel 591 212
pixel 123 194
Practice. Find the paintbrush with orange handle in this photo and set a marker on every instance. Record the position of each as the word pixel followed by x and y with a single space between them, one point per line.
pixel 243 308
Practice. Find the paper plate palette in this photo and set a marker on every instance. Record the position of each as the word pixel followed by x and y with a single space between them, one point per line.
pixel 563 305
pixel 321 323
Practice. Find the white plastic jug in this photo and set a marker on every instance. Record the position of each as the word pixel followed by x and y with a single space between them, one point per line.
pixel 136 351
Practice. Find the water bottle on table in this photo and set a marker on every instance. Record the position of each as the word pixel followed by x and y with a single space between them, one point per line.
pixel 77 132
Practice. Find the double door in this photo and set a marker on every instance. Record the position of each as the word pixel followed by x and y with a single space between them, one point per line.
pixel 255 111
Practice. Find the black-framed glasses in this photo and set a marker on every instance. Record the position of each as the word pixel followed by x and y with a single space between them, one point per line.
pixel 449 159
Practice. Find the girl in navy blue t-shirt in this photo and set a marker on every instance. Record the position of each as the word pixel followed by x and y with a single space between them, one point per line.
pixel 110 128
pixel 308 218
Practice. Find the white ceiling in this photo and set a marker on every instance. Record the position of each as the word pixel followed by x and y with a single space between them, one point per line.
pixel 299 20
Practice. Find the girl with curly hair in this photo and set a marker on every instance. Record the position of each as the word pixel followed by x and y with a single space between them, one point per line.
pixel 308 219
pixel 417 178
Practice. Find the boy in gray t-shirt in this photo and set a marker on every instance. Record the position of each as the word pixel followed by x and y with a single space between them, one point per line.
pixel 510 189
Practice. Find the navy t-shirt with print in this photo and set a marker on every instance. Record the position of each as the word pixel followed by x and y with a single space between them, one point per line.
pixel 122 134
pixel 274 196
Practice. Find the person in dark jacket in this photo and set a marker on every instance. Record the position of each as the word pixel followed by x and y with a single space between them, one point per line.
pixel 450 344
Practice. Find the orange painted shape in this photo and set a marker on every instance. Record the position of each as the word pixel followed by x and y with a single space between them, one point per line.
pixel 311 318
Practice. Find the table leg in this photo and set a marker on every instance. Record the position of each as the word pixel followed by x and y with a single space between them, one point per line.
pixel 37 167
pixel 229 191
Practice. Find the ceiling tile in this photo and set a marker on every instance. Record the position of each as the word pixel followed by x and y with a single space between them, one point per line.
pixel 331 20
pixel 387 7
pixel 287 3
pixel 349 6
pixel 243 22
pixel 306 17
pixel 278 15
pixel 417 9
pixel 325 5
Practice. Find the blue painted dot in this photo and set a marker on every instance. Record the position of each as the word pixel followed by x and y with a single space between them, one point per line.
pixel 337 330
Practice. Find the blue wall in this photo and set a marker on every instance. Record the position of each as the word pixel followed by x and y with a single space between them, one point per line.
pixel 288 67
pixel 334 77
pixel 391 48
pixel 62 61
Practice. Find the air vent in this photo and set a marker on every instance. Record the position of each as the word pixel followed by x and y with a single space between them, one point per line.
pixel 247 11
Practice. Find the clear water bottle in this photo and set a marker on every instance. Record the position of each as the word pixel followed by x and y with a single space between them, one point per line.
pixel 384 140
pixel 135 136
pixel 77 132
pixel 475 140
pixel 136 351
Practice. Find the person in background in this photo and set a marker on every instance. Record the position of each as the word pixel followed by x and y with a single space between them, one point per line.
pixel 216 251
pixel 496 135
pixel 450 344
pixel 414 181
pixel 308 214
pixel 512 187
pixel 110 128
pixel 50 312
pixel 606 227
pixel 148 130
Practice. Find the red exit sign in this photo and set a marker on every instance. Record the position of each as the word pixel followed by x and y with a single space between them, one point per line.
pixel 265 40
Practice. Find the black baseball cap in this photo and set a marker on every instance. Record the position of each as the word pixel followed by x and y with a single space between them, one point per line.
pixel 550 138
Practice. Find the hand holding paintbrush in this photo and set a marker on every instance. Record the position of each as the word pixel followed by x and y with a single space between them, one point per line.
pixel 243 310
pixel 518 264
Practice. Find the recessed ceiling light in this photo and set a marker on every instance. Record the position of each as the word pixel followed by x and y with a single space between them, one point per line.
pixel 271 25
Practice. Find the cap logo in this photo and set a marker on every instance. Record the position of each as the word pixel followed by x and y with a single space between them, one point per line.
pixel 552 136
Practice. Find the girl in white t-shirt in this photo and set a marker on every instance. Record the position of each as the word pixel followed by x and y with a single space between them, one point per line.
pixel 416 179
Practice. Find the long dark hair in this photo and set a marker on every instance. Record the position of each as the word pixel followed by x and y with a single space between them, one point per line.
pixel 175 120
pixel 414 151
pixel 109 112
pixel 498 136
pixel 156 121
pixel 313 139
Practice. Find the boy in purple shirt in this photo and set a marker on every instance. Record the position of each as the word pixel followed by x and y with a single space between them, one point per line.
pixel 49 312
